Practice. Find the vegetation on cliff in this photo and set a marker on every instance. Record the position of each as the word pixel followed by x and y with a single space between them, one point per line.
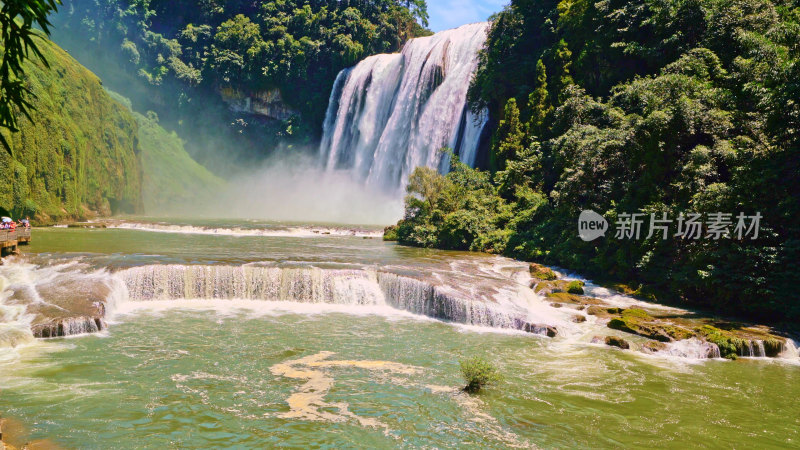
pixel 171 180
pixel 177 57
pixel 676 106
pixel 76 155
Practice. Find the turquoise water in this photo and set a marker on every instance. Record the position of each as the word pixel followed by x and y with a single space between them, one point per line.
pixel 241 374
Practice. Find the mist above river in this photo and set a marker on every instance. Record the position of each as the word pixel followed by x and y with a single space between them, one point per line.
pixel 296 189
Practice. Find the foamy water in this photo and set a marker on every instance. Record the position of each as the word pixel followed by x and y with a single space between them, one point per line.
pixel 299 232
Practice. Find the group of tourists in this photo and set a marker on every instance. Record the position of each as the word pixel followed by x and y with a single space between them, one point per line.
pixel 8 224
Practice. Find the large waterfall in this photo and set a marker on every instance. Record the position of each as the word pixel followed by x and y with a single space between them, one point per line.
pixel 392 113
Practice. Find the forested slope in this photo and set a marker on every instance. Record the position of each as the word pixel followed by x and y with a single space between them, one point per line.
pixel 186 59
pixel 654 107
pixel 172 182
pixel 79 156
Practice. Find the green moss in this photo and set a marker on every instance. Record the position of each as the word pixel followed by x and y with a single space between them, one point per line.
pixel 636 313
pixel 541 272
pixel 729 345
pixel 638 322
pixel 78 155
pixel 566 297
pixel 602 311
pixel 575 287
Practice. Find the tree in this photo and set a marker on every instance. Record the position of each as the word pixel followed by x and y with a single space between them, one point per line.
pixel 564 59
pixel 539 100
pixel 510 136
pixel 17 19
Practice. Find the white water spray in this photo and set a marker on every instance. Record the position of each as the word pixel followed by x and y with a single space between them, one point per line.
pixel 392 113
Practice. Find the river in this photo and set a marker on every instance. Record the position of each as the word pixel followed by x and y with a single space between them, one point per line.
pixel 333 361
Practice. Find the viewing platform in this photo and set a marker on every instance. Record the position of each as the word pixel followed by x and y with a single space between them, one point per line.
pixel 10 240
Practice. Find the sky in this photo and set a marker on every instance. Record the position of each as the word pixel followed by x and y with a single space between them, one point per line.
pixel 446 14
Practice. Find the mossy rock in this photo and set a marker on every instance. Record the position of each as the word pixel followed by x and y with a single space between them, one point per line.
pixel 549 287
pixel 729 345
pixel 737 342
pixel 604 312
pixel 773 347
pixel 618 342
pixel 565 297
pixel 638 321
pixel 653 346
pixel 577 318
pixel 541 272
pixel 575 287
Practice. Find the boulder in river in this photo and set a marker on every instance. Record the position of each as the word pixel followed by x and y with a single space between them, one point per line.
pixel 545 330
pixel 637 321
pixel 615 341
pixel 541 272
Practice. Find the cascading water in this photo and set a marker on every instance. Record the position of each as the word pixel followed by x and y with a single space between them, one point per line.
pixel 314 285
pixel 392 113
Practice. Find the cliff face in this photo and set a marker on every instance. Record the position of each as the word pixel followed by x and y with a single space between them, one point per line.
pixel 267 104
pixel 79 157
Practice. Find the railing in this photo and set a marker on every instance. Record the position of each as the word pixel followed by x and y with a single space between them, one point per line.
pixel 8 235
pixel 20 233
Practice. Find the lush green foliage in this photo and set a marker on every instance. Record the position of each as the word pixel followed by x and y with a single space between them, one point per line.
pixel 171 180
pixel 479 373
pixel 176 57
pixel 575 287
pixel 460 211
pixel 18 41
pixel 660 106
pixel 77 154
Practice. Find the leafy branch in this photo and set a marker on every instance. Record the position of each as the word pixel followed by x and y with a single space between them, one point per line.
pixel 17 20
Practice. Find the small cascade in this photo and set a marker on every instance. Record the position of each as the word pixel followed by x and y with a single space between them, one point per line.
pixel 12 335
pixel 70 326
pixel 314 285
pixel 758 348
pixel 693 349
pixel 789 350
pixel 303 285
pixel 392 113
pixel 422 298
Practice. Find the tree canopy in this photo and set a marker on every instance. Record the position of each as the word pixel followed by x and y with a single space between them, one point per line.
pixel 175 57
pixel 655 107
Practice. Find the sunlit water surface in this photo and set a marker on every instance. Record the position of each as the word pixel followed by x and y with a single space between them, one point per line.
pixel 256 374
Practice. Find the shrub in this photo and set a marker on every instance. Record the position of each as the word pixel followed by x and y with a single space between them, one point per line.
pixel 478 373
pixel 390 233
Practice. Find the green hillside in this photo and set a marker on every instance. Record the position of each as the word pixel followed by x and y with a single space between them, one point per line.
pixel 79 156
pixel 171 178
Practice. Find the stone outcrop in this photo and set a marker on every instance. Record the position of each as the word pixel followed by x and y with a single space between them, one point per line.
pixel 268 104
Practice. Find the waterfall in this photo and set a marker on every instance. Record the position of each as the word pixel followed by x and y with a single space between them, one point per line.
pixel 392 113
pixel 314 285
